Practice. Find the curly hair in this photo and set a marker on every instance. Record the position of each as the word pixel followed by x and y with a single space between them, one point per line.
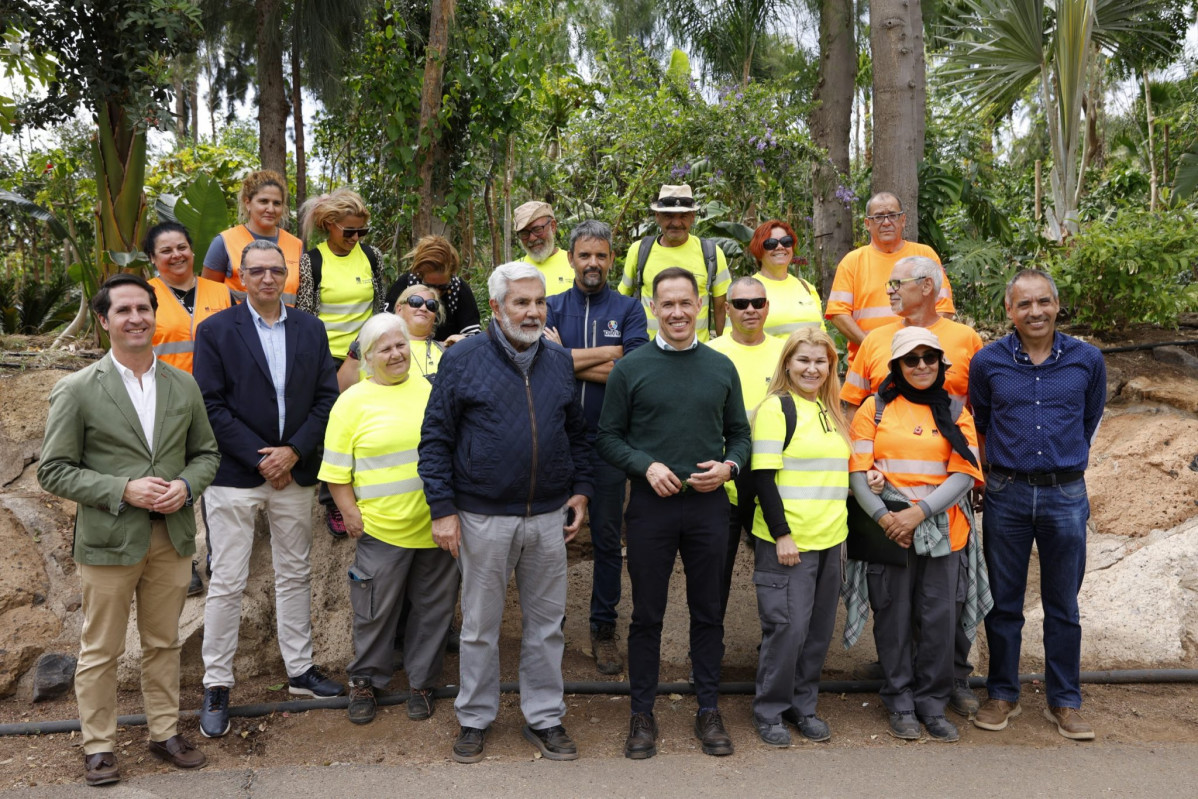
pixel 256 182
pixel 757 243
pixel 318 212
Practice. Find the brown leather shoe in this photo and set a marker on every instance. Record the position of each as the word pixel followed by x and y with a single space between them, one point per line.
pixel 178 752
pixel 100 769
pixel 1070 723
pixel 994 714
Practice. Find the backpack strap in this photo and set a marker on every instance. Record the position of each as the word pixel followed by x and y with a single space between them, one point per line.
pixel 791 414
pixel 713 262
pixel 879 406
pixel 642 257
pixel 317 261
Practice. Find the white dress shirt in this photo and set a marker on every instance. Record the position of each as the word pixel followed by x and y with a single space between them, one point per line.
pixel 143 394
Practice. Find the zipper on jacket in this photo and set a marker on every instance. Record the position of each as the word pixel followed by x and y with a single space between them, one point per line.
pixel 532 416
pixel 586 316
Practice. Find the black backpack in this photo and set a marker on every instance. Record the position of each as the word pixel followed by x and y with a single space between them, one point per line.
pixel 709 258
pixel 316 259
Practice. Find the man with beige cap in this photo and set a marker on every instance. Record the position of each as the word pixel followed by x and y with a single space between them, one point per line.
pixel 536 227
pixel 674 209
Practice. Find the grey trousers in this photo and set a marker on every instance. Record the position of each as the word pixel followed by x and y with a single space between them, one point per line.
pixel 535 549
pixel 797 605
pixel 919 599
pixel 382 575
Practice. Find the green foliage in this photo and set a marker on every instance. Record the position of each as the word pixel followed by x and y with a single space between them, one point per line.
pixel 201 209
pixel 226 162
pixel 1134 268
pixel 34 307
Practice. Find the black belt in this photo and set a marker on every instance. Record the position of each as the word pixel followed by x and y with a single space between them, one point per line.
pixel 1039 478
pixel 155 516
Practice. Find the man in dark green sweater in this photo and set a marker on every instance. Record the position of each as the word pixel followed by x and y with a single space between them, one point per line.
pixel 674 421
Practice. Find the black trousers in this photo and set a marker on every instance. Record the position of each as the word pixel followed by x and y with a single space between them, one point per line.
pixel 659 528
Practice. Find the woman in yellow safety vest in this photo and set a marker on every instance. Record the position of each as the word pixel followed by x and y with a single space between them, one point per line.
pixel 370 462
pixel 341 279
pixel 794 303
pixel 801 474
pixel 262 208
pixel 422 311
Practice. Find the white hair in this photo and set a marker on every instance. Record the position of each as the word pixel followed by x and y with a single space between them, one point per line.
pixel 374 329
pixel 504 274
pixel 923 266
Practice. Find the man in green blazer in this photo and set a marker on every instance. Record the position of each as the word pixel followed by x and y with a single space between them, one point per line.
pixel 128 440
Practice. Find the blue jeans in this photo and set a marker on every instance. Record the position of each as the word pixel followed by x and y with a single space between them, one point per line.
pixel 607 520
pixel 1014 515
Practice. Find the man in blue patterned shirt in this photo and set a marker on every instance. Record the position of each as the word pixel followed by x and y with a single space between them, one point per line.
pixel 1037 397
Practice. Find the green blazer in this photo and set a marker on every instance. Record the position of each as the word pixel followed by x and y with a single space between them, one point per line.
pixel 95 445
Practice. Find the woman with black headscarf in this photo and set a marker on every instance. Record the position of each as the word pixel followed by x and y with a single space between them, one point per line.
pixel 926 447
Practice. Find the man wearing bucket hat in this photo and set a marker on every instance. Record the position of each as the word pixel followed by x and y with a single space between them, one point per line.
pixel 536 227
pixel 674 209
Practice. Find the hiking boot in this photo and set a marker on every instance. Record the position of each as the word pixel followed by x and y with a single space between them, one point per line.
pixel 709 729
pixel 773 734
pixel 904 725
pixel 469 746
pixel 361 700
pixel 603 645
pixel 196 586
pixel 333 520
pixel 642 737
pixel 962 700
pixel 553 742
pixel 940 729
pixel 421 704
pixel 995 713
pixel 1070 723
pixel 813 728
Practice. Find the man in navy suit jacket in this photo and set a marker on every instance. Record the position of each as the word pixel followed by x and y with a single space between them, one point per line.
pixel 268 383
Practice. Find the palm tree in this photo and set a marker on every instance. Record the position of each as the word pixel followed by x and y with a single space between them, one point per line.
pixel 1006 46
pixel 724 33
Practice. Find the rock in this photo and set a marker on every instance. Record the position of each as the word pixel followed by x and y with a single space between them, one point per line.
pixel 53 676
pixel 1177 357
pixel 22 571
pixel 25 633
pixel 1176 391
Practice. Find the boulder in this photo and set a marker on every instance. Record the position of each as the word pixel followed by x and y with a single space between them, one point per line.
pixel 1166 389
pixel 25 633
pixel 53 676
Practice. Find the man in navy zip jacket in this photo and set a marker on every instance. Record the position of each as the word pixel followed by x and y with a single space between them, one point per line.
pixel 598 326
pixel 507 474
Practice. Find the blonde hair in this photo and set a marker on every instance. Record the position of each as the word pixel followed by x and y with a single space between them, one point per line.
pixel 374 329
pixel 417 287
pixel 256 182
pixel 829 393
pixel 318 212
pixel 433 254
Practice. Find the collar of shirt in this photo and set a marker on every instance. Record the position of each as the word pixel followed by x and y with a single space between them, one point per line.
pixel 143 394
pixel 1021 357
pixel 260 322
pixel 665 345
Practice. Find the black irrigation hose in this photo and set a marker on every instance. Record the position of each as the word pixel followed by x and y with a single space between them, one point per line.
pixel 1137 347
pixel 1116 677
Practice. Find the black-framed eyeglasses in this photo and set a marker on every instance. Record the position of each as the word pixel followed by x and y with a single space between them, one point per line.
pixel 895 285
pixel 350 232
pixel 930 357
pixel 529 232
pixel 259 271
pixel 676 202
pixel 416 301
pixel 743 303
pixel 888 217
pixel 785 242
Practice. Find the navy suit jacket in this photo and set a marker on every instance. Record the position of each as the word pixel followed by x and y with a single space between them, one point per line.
pixel 234 378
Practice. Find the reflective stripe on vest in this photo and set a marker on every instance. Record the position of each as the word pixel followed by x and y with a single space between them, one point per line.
pixel 174 329
pixel 346 296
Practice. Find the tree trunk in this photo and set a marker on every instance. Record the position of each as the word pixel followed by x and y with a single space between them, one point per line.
pixel 440 14
pixel 297 122
pixel 180 105
pixel 1153 180
pixel 193 104
pixel 509 169
pixel 272 91
pixel 900 100
pixel 492 224
pixel 831 128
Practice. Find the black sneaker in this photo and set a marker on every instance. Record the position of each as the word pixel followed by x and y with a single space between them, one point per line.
pixel 362 703
pixel 553 742
pixel 904 725
pixel 313 683
pixel 469 746
pixel 941 729
pixel 813 728
pixel 709 729
pixel 196 586
pixel 421 704
pixel 214 714
pixel 642 737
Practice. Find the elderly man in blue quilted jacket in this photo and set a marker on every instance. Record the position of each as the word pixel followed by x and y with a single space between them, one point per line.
pixel 506 470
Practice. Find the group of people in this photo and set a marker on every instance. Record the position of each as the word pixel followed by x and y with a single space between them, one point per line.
pixel 714 405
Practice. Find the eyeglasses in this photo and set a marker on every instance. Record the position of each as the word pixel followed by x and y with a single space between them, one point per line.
pixel 676 202
pixel 350 232
pixel 529 232
pixel 259 271
pixel 930 358
pixel 416 301
pixel 895 285
pixel 743 303
pixel 823 417
pixel 785 242
pixel 889 217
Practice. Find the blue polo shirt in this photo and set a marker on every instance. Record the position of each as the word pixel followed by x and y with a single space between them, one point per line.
pixel 1038 417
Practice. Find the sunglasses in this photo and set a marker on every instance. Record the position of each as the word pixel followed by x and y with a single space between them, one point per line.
pixel 743 303
pixel 895 285
pixel 786 242
pixel 416 301
pixel 350 232
pixel 890 217
pixel 929 358
pixel 529 232
pixel 676 202
pixel 259 271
